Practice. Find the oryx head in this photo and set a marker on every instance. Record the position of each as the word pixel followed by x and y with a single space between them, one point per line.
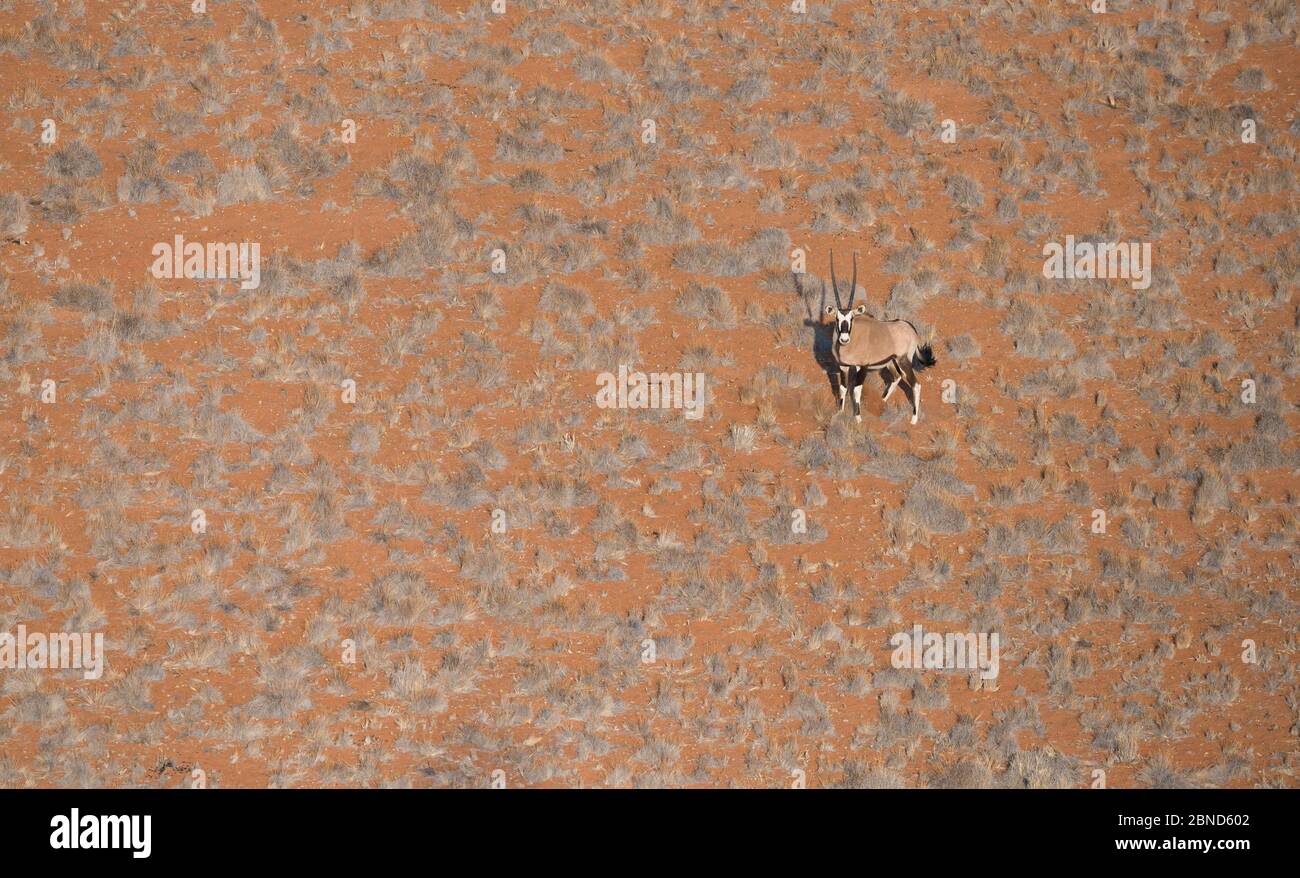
pixel 844 321
pixel 844 317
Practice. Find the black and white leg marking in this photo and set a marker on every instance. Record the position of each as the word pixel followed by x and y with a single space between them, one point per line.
pixel 898 376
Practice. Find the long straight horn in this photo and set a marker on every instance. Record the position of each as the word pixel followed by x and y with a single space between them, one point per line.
pixel 853 287
pixel 834 283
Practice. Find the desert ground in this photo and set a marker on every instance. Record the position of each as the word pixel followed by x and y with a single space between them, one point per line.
pixel 363 521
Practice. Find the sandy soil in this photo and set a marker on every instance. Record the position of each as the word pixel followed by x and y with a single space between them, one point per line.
pixel 349 616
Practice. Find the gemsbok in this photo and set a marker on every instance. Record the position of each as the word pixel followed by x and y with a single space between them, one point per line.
pixel 863 344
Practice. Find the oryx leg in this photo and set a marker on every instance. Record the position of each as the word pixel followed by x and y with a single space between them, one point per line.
pixel 913 392
pixel 857 381
pixel 898 376
pixel 913 388
pixel 845 374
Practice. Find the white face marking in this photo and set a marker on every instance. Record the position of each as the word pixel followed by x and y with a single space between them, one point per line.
pixel 844 325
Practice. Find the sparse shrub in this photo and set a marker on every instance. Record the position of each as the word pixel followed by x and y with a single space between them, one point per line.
pixel 76 161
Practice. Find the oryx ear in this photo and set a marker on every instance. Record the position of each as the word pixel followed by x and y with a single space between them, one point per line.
pixel 830 309
pixel 861 309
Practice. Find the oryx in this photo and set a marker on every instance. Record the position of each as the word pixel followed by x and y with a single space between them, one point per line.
pixel 863 344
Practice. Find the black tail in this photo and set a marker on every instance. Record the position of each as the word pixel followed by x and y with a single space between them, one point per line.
pixel 923 359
